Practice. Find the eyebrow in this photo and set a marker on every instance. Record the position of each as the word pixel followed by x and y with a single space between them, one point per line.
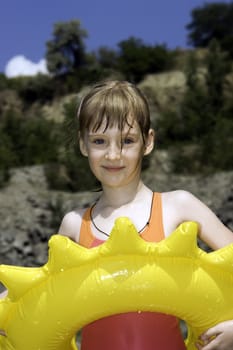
pixel 129 133
pixel 95 134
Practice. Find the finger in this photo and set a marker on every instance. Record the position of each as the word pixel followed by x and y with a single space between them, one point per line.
pixel 199 346
pixel 210 333
pixel 2 332
pixel 211 345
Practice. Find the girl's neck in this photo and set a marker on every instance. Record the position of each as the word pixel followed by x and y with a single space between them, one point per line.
pixel 117 197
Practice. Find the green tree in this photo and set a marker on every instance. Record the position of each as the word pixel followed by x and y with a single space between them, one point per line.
pixel 187 122
pixel 28 141
pixel 201 128
pixel 193 107
pixel 70 172
pixel 212 21
pixel 40 88
pixel 204 101
pixel 106 57
pixel 135 59
pixel 6 157
pixel 218 141
pixel 4 84
pixel 218 66
pixel 66 51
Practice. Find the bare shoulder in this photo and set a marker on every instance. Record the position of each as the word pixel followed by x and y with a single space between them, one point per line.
pixel 179 196
pixel 173 204
pixel 186 206
pixel 180 206
pixel 71 224
pixel 179 200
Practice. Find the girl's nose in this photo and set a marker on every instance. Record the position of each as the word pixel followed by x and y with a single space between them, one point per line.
pixel 113 153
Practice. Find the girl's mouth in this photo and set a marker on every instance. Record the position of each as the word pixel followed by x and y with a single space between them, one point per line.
pixel 113 168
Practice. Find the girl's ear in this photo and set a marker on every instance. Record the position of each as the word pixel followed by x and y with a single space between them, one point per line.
pixel 82 146
pixel 149 145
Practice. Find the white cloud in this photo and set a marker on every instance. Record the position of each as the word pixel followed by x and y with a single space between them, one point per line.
pixel 21 66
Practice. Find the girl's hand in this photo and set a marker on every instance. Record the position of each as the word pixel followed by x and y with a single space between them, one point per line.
pixel 219 337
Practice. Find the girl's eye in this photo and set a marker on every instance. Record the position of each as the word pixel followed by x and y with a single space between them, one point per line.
pixel 98 141
pixel 127 141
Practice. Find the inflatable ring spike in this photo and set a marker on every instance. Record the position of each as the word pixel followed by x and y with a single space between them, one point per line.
pixel 46 306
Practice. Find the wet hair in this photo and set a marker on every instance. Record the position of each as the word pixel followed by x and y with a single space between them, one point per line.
pixel 111 103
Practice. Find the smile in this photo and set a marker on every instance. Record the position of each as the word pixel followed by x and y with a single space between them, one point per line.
pixel 113 168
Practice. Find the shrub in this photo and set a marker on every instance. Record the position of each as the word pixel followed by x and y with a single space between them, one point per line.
pixel 39 88
pixel 71 170
pixel 29 141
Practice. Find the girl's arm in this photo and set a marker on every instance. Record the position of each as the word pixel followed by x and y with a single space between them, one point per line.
pixel 216 235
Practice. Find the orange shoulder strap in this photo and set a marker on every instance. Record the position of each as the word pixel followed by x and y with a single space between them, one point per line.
pixel 86 238
pixel 154 232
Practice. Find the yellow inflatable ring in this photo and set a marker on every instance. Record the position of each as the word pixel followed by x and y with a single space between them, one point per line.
pixel 46 306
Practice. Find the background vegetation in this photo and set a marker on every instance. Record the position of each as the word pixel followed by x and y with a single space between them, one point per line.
pixel 198 132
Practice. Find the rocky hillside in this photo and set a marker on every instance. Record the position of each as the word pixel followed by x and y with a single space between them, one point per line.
pixel 30 213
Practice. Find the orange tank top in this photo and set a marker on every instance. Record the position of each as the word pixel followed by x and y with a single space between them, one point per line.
pixel 153 231
pixel 132 330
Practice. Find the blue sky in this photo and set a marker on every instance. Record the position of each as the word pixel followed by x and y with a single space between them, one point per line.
pixel 26 25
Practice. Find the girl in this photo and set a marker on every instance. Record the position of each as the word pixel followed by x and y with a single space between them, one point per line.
pixel 115 135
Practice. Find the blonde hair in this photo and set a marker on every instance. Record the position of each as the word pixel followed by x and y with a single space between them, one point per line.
pixel 113 103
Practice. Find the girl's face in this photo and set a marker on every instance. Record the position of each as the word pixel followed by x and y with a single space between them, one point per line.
pixel 115 156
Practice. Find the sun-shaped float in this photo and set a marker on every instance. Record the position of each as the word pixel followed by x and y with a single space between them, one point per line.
pixel 46 306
